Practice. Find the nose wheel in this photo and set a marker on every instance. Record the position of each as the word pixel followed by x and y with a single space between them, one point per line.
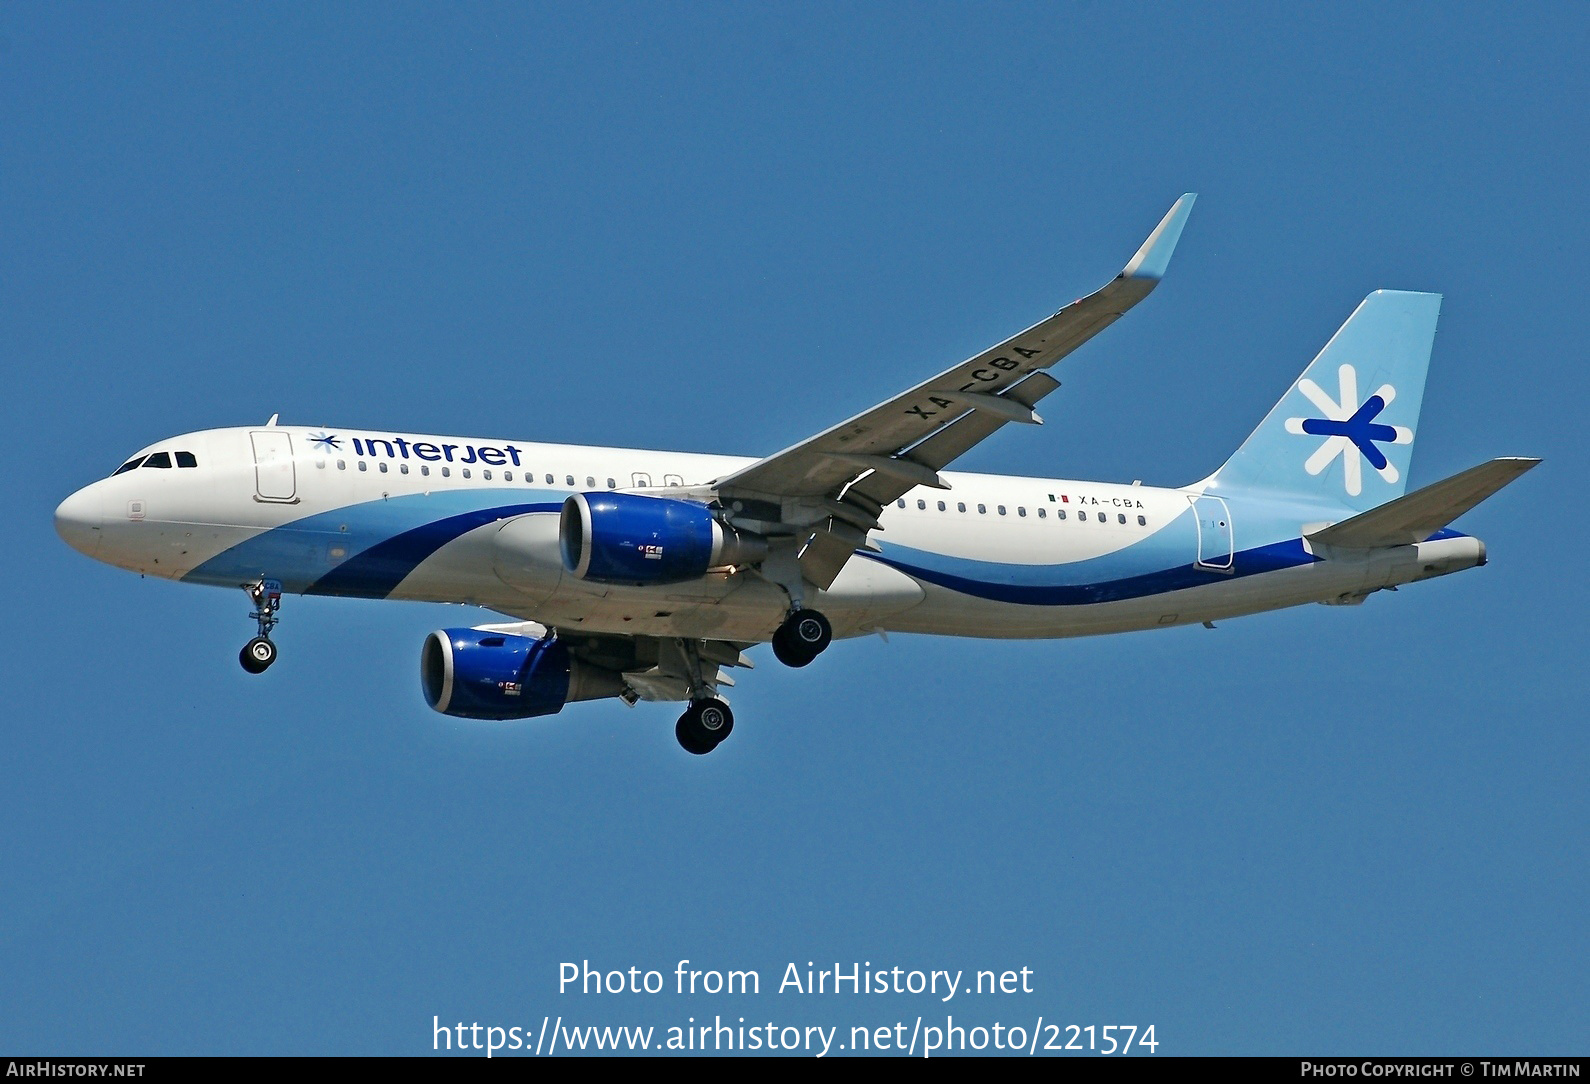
pixel 260 652
pixel 802 637
pixel 257 655
pixel 704 725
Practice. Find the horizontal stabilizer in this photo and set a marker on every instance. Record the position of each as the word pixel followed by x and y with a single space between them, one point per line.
pixel 1420 514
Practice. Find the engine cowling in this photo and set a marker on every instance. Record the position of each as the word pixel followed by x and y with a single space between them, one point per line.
pixel 481 674
pixel 629 538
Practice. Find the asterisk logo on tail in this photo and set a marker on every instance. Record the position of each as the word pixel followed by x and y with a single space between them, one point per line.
pixel 1350 429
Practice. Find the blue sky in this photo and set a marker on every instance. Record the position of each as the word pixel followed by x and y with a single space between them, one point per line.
pixel 722 228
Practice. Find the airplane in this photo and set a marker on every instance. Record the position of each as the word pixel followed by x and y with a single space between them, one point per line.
pixel 645 575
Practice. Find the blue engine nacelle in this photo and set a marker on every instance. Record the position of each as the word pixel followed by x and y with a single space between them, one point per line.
pixel 479 674
pixel 635 539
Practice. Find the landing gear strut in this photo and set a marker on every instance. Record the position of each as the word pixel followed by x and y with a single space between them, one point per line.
pixel 260 652
pixel 708 720
pixel 802 637
pixel 704 725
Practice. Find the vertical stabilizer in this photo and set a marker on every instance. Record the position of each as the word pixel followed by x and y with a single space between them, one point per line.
pixel 1344 431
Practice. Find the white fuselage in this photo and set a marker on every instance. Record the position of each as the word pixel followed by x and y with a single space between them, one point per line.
pixel 380 515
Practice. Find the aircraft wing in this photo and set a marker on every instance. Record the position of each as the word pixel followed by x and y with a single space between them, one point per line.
pixel 865 463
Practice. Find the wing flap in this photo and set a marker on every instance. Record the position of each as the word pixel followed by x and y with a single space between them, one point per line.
pixel 950 442
pixel 826 551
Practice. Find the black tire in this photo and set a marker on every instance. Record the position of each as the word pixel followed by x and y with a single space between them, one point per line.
pixel 257 655
pixel 691 737
pixel 785 652
pixel 802 637
pixel 703 726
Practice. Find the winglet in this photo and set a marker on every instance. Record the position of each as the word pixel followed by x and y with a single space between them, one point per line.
pixel 1152 259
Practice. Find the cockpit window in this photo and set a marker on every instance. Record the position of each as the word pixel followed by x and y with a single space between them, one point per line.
pixel 127 466
pixel 159 459
pixel 186 459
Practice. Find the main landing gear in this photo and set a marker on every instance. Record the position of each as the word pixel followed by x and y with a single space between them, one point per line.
pixel 708 720
pixel 260 652
pixel 704 725
pixel 802 637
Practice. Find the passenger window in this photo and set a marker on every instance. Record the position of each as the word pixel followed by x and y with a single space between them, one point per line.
pixel 941 506
pixel 1042 513
pixel 186 459
pixel 1142 521
pixel 1059 513
pixel 983 509
pixel 549 480
pixel 486 474
pixel 611 484
pixel 569 480
pixel 403 468
pixel 320 464
pixel 342 464
pixel 1122 517
pixel 960 506
pixel 1103 518
pixel 1001 509
pixel 447 472
pixel 131 464
pixel 425 470
pixel 363 465
pixel 381 466
pixel 466 472
pixel 901 502
pixel 159 459
pixel 1022 511
pixel 507 476
pixel 921 506
pixel 673 480
pixel 590 483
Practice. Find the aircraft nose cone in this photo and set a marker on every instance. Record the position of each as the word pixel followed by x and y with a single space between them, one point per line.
pixel 78 520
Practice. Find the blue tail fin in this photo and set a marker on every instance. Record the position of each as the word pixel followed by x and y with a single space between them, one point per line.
pixel 1344 432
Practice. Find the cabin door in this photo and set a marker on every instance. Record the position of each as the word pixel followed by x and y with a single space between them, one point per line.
pixel 275 478
pixel 1214 533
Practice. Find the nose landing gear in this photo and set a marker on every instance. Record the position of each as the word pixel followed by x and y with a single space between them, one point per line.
pixel 260 652
pixel 802 637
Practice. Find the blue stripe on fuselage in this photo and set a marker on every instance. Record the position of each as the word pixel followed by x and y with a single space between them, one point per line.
pixel 387 540
pixel 1022 584
pixel 377 571
pixel 1034 585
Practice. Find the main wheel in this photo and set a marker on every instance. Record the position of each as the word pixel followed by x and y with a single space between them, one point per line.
pixel 802 637
pixel 690 738
pixel 257 655
pixel 703 726
pixel 715 719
